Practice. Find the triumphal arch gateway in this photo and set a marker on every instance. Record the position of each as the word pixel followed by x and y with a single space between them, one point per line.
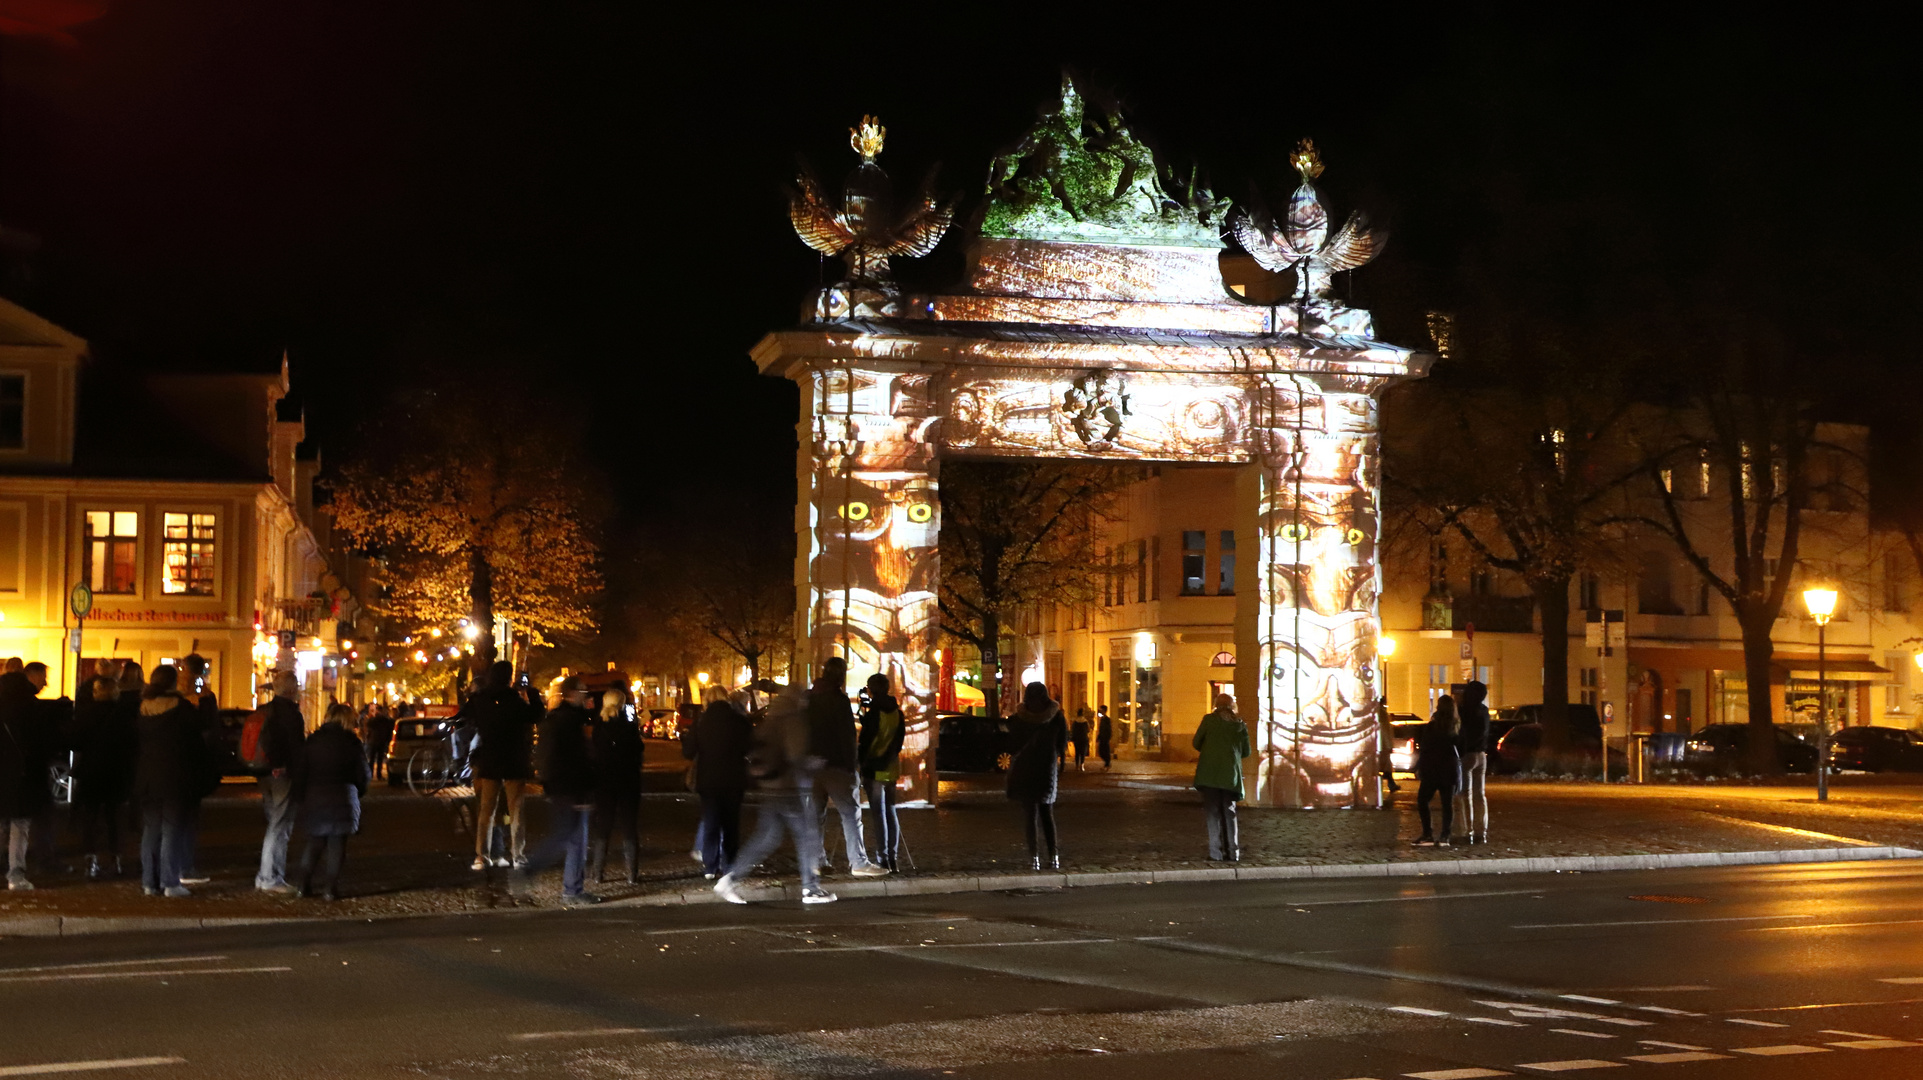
pixel 1094 323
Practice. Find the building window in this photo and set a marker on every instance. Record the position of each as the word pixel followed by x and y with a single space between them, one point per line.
pixel 1194 561
pixel 1591 686
pixel 1591 592
pixel 1141 571
pixel 1225 576
pixel 13 412
pixel 1155 568
pixel 187 554
pixel 1896 692
pixel 109 551
pixel 1894 598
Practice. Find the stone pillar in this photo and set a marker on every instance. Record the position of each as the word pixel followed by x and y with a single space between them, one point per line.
pixel 869 569
pixel 1311 517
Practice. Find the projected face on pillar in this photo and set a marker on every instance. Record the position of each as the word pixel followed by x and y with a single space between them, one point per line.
pixel 874 571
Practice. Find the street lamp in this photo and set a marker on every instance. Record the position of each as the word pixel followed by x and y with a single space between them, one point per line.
pixel 1821 602
pixel 1385 646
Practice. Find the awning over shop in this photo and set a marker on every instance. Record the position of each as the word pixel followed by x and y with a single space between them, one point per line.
pixel 967 696
pixel 1836 670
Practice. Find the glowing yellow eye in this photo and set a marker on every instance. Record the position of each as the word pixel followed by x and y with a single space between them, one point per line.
pixel 1293 532
pixel 855 511
pixel 920 513
pixel 1354 536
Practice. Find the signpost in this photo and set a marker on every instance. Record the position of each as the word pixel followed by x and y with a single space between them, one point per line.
pixel 80 602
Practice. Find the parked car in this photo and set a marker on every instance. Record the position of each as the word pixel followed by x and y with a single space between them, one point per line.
pixel 414 733
pixel 1520 746
pixel 1723 750
pixel 1876 749
pixel 971 743
pixel 227 742
pixel 1402 742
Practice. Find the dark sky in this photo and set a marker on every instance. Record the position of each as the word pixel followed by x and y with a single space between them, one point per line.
pixel 597 188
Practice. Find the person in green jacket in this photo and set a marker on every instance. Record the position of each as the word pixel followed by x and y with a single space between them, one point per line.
pixel 1223 741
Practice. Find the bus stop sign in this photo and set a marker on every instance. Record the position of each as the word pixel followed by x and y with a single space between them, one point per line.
pixel 80 600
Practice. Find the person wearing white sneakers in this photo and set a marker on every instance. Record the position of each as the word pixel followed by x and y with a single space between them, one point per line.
pixel 832 737
pixel 781 764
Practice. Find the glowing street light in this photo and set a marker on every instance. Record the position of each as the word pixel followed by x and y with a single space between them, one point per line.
pixel 471 631
pixel 1385 646
pixel 1821 602
pixel 701 677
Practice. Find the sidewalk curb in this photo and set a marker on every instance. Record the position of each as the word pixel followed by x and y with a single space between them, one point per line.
pixel 79 925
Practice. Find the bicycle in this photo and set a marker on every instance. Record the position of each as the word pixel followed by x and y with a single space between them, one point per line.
pixel 434 769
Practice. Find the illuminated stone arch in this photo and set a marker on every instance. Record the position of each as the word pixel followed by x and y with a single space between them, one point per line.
pixel 1126 349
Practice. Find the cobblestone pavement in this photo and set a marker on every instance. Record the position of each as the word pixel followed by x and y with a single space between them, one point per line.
pixel 413 855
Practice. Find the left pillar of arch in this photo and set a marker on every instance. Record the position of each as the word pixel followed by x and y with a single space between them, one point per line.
pixel 867 567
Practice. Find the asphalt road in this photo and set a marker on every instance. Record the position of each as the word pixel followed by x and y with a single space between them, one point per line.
pixel 1811 971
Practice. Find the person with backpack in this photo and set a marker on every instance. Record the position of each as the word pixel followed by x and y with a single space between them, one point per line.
pixel 272 753
pixel 718 743
pixel 1473 742
pixel 170 779
pixel 783 765
pixel 1033 774
pixel 882 732
pixel 329 781
pixel 1222 741
pixel 1438 769
pixel 617 751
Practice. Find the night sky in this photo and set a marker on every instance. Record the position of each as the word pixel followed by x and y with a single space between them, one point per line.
pixel 598 188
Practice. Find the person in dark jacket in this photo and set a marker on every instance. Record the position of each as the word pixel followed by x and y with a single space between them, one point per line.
pixel 170 779
pixel 1034 773
pixel 567 777
pixel 1104 737
pixel 832 738
pixel 1078 737
pixel 26 749
pixel 1438 769
pixel 718 742
pixel 105 746
pixel 502 720
pixel 281 734
pixel 617 750
pixel 1473 743
pixel 329 780
pixel 380 736
pixel 882 731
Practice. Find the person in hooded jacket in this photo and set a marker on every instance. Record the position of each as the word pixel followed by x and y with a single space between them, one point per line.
pixel 329 781
pixel 718 743
pixel 882 731
pixel 26 749
pixel 170 779
pixel 567 777
pixel 1438 769
pixel 105 747
pixel 1035 771
pixel 502 721
pixel 1222 741
pixel 617 751
pixel 784 765
pixel 1473 742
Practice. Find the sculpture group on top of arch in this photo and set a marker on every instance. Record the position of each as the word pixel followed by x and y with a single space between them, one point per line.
pixel 1094 323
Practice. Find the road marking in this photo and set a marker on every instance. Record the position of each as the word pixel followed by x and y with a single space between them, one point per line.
pixel 1909 980
pixel 1754 1023
pixel 805 927
pixel 114 963
pixel 88 1066
pixel 590 1033
pixel 1779 1051
pixel 1853 1034
pixel 1872 1044
pixel 1789 831
pixel 829 946
pixel 1418 1012
pixel 1571 1066
pixel 1493 1020
pixel 1666 1011
pixel 1544 1012
pixel 1834 925
pixel 1585 1034
pixel 1666 922
pixel 1665 989
pixel 1590 1000
pixel 1408 899
pixel 1674 1059
pixel 1456 1074
pixel 1830 1005
pixel 76 976
pixel 1671 1045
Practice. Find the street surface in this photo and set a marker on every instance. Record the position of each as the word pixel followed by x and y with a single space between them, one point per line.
pixel 1792 971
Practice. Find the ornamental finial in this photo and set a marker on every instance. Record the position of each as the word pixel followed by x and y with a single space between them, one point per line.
pixel 1306 160
pixel 866 139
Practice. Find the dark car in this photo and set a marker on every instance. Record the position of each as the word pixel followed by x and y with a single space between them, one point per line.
pixel 1520 746
pixel 1723 750
pixel 1876 749
pixel 973 744
pixel 1402 742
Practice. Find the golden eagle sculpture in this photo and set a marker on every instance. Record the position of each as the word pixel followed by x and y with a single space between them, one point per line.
pixel 1302 242
pixel 866 228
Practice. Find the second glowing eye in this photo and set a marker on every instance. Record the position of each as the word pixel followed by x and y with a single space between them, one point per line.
pixel 855 511
pixel 1353 536
pixel 920 513
pixel 1292 532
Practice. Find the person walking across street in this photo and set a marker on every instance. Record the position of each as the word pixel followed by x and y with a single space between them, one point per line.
pixel 782 765
pixel 380 736
pixel 1473 743
pixel 282 731
pixel 832 738
pixel 26 748
pixel 105 748
pixel 503 720
pixel 170 778
pixel 1438 769
pixel 1104 736
pixel 718 743
pixel 617 750
pixel 1222 740
pixel 1078 737
pixel 566 771
pixel 882 731
pixel 1033 776
pixel 329 781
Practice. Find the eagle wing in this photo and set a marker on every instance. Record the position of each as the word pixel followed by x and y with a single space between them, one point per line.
pixel 1354 245
pixel 1267 254
pixel 815 221
pixel 922 228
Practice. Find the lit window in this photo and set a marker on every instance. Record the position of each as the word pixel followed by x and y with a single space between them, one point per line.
pixel 187 551
pixel 13 412
pixel 108 551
